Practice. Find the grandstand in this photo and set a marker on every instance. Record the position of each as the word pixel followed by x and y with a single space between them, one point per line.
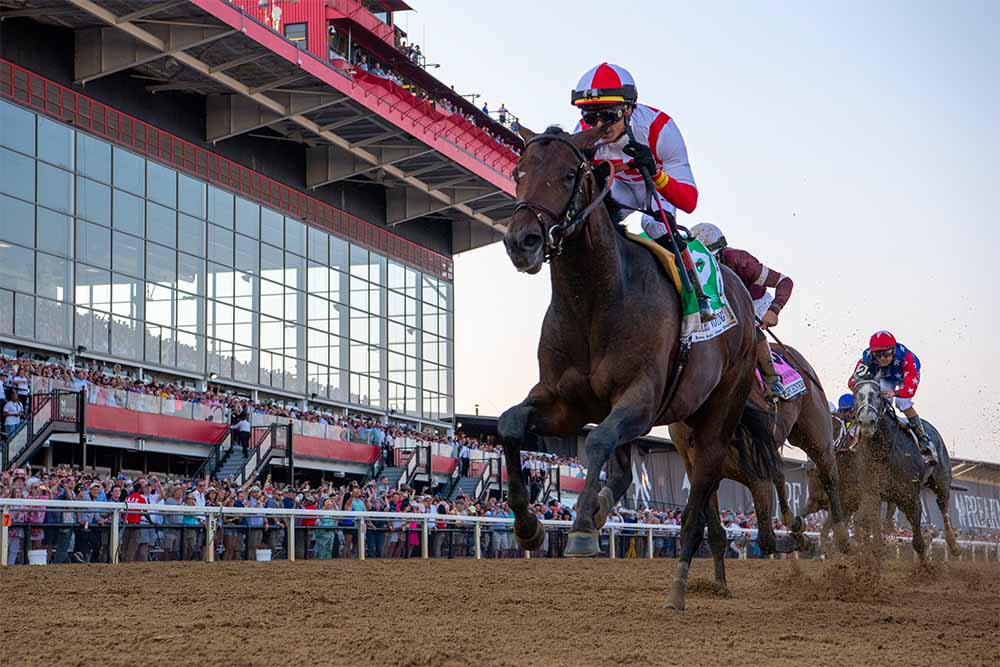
pixel 210 198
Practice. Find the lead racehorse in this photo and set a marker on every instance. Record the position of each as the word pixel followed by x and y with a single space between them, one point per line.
pixel 610 347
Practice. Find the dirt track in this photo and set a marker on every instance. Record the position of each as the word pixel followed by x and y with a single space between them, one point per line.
pixel 537 612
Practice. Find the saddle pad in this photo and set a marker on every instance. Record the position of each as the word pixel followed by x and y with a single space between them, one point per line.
pixel 792 384
pixel 710 276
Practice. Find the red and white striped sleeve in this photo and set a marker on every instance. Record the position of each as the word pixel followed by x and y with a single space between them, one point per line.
pixel 670 152
pixel 911 377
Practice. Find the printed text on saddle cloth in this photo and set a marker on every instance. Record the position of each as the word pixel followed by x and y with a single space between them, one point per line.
pixel 792 383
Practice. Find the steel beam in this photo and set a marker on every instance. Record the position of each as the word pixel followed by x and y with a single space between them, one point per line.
pixel 236 62
pixel 231 115
pixel 326 164
pixel 146 11
pixel 405 204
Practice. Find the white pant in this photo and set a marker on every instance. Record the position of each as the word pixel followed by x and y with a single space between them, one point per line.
pixel 903 404
pixel 633 195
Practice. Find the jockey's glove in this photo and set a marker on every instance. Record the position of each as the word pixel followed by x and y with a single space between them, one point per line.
pixel 642 156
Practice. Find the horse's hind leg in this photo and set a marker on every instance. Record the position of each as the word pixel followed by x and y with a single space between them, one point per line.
pixel 913 516
pixel 717 540
pixel 814 437
pixel 942 497
pixel 889 523
pixel 619 479
pixel 629 419
pixel 541 414
pixel 704 484
pixel 761 491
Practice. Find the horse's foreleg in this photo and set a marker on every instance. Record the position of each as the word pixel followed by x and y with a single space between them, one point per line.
pixel 629 419
pixel 913 516
pixel 704 484
pixel 619 479
pixel 512 427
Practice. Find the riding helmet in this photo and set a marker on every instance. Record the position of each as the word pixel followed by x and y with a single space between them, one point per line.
pixel 605 84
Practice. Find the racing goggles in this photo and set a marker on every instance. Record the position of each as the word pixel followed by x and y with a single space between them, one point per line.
pixel 883 354
pixel 605 117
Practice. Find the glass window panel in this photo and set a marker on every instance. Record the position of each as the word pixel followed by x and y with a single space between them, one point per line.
pixel 127 255
pixel 295 271
pixel 129 172
pixel 191 352
pixel 160 264
pixel 161 184
pixel 319 346
pixel 17 128
pixel 247 254
pixel 396 278
pixel 55 190
pixel 93 287
pixel 375 299
pixel 268 287
pixel 93 201
pixel 55 143
pixel 220 207
pixel 396 306
pixel 17 175
pixel 318 312
pixel 17 268
pixel 191 234
pixel 161 224
pixel 359 358
pixel 272 227
pixel 190 274
pixel 126 338
pixel 160 304
pixel 273 304
pixel 17 221
pixel 189 308
pixel 272 263
pixel 359 325
pixel 319 246
pixel 359 294
pixel 339 252
pixel 220 245
pixel 295 341
pixel 338 286
pixel 318 280
pixel 243 326
pixel 127 297
pixel 430 319
pixel 293 302
pixel 246 290
pixel 55 232
pixel 129 213
pixel 338 319
pixel 318 382
pixel 245 364
pixel 24 315
pixel 93 157
pixel 83 325
pixel 271 331
pixel 247 218
pixel 295 236
pixel 93 244
pixel 52 322
pixel 377 269
pixel 411 282
pixel 359 262
pixel 191 196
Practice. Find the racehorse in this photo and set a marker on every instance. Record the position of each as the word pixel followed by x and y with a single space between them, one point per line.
pixel 610 350
pixel 891 467
pixel 805 422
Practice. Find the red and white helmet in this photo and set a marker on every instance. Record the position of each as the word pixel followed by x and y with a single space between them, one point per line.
pixel 605 84
pixel 881 340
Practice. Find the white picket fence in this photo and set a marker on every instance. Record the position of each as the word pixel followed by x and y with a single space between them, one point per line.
pixel 212 517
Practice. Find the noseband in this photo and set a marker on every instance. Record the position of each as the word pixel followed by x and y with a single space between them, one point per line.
pixel 880 410
pixel 565 223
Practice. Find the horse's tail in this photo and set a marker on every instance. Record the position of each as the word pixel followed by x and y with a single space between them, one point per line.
pixel 754 439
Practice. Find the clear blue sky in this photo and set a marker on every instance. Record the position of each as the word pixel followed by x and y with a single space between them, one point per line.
pixel 850 145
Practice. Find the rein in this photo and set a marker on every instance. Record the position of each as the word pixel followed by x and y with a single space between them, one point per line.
pixel 571 217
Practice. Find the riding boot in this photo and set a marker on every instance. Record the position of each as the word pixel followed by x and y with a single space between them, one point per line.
pixel 926 449
pixel 772 381
pixel 705 310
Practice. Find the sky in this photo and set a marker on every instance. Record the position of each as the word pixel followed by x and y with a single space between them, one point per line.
pixel 849 145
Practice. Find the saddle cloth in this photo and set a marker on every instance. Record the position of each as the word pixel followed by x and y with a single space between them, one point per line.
pixel 709 274
pixel 792 384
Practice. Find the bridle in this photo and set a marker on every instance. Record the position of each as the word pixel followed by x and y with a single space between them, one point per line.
pixel 866 407
pixel 566 223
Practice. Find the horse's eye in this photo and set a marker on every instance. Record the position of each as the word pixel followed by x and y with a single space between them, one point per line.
pixel 570 176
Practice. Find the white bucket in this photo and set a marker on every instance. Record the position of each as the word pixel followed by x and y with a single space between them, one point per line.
pixel 38 556
pixel 263 554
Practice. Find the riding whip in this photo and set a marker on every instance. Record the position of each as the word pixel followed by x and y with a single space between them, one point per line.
pixel 689 276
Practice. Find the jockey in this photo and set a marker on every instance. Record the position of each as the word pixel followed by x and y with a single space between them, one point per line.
pixel 898 371
pixel 757 278
pixel 607 98
pixel 845 408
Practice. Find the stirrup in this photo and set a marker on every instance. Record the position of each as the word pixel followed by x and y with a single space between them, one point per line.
pixel 705 309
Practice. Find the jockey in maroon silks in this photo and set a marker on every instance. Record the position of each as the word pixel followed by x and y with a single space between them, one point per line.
pixel 757 278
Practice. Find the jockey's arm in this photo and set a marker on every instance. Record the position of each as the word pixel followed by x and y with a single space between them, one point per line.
pixel 911 377
pixel 674 181
pixel 781 283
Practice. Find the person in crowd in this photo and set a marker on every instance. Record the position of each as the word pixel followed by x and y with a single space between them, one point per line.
pixel 325 534
pixel 133 548
pixel 255 524
pixel 92 529
pixel 13 413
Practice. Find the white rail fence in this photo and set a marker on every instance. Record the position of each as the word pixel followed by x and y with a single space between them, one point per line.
pixel 213 522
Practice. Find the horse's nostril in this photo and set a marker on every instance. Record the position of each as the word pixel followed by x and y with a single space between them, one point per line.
pixel 531 241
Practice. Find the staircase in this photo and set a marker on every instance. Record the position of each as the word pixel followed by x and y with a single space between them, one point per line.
pixel 394 473
pixel 51 413
pixel 232 464
pixel 466 487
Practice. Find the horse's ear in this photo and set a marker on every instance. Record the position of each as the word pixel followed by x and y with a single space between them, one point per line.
pixel 863 372
pixel 587 139
pixel 602 171
pixel 525 133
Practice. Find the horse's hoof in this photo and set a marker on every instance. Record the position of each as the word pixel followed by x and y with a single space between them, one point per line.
pixel 606 502
pixel 580 544
pixel 533 541
pixel 679 587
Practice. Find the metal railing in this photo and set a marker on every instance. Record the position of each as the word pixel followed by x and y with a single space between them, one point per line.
pixel 619 538
pixel 45 410
pixel 489 475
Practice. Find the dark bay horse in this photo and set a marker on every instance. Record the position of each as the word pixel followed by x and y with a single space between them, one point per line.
pixel 610 345
pixel 805 422
pixel 892 469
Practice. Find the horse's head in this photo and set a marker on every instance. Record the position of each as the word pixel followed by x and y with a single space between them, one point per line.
pixel 556 187
pixel 869 406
